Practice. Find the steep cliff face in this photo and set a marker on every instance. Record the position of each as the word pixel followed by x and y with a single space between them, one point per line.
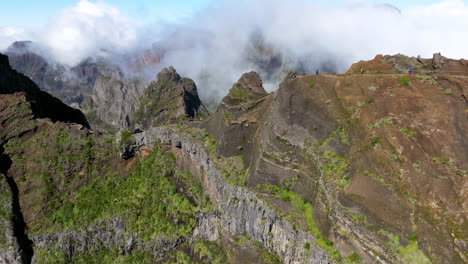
pixel 112 101
pixel 239 210
pixel 10 251
pixel 168 100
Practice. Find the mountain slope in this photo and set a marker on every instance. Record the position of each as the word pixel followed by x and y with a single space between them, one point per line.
pixel 380 156
pixel 67 197
pixel 364 167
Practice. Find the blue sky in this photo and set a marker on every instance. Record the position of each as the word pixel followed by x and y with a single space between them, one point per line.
pixel 32 14
pixel 28 13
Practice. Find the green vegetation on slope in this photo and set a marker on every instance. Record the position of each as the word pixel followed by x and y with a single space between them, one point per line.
pixel 105 256
pixel 77 189
pixel 147 199
pixel 67 161
pixel 238 94
pixel 409 254
pixel 332 165
pixel 200 252
pixel 246 241
pixel 233 169
pixel 305 212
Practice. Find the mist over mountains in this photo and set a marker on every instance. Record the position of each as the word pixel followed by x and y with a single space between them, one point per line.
pixel 232 37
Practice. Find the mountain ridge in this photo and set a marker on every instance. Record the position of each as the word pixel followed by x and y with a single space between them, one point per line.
pixel 367 166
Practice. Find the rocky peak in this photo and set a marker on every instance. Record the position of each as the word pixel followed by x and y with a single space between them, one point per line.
pixel 249 87
pixel 168 75
pixel 169 100
pixel 437 60
pixel 252 81
pixel 20 47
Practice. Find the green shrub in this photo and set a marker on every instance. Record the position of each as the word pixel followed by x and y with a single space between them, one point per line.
pixel 408 132
pixel 343 182
pixel 382 122
pixel 311 84
pixel 126 137
pixel 282 140
pixel 417 166
pixel 448 92
pixel 443 160
pixel 353 258
pixel 306 211
pixel 359 219
pixel 404 81
pixel 375 140
pixel 427 79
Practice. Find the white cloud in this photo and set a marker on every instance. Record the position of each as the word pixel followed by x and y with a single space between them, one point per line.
pixel 311 36
pixel 87 29
pixel 9 35
pixel 218 40
pixel 440 27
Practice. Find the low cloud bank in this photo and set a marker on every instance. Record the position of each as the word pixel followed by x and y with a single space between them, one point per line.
pixel 269 36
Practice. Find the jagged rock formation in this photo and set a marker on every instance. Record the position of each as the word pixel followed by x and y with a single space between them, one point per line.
pixel 42 103
pixel 113 99
pixel 170 99
pixel 51 78
pixel 99 88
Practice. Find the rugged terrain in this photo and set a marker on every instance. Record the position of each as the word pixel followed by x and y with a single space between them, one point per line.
pixel 364 167
pixel 99 87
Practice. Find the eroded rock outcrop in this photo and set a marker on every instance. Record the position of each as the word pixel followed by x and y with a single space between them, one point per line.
pixel 109 234
pixel 238 116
